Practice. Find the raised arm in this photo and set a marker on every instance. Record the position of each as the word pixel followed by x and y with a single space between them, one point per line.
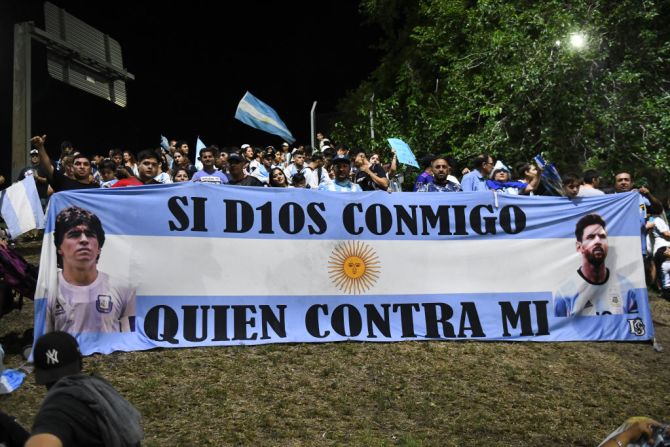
pixel 45 161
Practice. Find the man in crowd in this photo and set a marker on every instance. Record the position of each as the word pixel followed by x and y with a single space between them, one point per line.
pixel 475 180
pixel 297 166
pixel 593 289
pixel 209 173
pixel 427 175
pixel 342 169
pixel 238 176
pixel 623 182
pixel 267 160
pixel 370 177
pixel 316 174
pixel 440 183
pixel 147 169
pixel 39 174
pixel 589 188
pixel 86 300
pixel 79 409
pixel 571 184
pixel 81 173
pixel 108 174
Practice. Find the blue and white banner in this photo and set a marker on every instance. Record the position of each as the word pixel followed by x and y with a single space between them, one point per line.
pixel 21 208
pixel 255 113
pixel 194 264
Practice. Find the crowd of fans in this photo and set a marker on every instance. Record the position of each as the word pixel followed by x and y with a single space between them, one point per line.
pixel 328 167
pixel 334 167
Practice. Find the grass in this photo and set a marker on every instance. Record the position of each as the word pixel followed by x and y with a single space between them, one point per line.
pixel 374 394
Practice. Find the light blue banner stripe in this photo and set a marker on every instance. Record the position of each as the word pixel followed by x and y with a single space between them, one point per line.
pixel 203 210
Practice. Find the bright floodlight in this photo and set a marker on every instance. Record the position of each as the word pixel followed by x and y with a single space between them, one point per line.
pixel 577 41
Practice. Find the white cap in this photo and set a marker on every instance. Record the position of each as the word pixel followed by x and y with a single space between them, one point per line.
pixel 244 146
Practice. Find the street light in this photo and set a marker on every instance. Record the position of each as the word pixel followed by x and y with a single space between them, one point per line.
pixel 578 40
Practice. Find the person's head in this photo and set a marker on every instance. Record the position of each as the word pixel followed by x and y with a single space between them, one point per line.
pixel 426 161
pixel 147 167
pixel 128 158
pixel 320 136
pixel 172 146
pixel 278 178
pixel 248 152
pixel 180 158
pixel 571 184
pixel 81 165
pixel 180 175
pixel 341 167
pixel 117 156
pixel 66 148
pixel 623 182
pixel 484 164
pixel 342 150
pixel 298 180
pixel 440 167
pixel 268 157
pixel 222 160
pixel 56 355
pixel 107 170
pixel 34 157
pixel 360 159
pixel 208 157
pixel 374 159
pixel 284 147
pixel 317 159
pixel 591 234
pixel 328 155
pixel 299 158
pixel 78 236
pixel 592 177
pixel 236 165
pixel 501 175
pixel 183 146
pixel 526 170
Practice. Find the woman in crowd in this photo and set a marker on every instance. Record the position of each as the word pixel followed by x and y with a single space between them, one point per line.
pixel 163 171
pixel 130 162
pixel 181 175
pixel 181 161
pixel 278 178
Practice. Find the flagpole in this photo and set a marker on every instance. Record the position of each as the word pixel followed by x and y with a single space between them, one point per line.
pixel 311 120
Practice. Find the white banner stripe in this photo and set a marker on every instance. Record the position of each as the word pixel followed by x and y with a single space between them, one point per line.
pixel 232 267
pixel 251 110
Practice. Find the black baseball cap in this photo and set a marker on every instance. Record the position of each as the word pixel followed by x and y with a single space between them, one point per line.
pixel 341 158
pixel 56 355
pixel 236 157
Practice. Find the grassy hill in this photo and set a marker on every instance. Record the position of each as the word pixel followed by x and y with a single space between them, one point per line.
pixel 379 394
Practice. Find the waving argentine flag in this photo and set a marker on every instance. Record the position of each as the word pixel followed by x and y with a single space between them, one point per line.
pixel 255 113
pixel 20 207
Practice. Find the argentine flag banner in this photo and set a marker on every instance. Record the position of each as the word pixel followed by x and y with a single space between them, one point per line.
pixel 193 264
pixel 21 208
pixel 255 113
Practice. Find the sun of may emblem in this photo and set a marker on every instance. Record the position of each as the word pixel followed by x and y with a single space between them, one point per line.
pixel 354 267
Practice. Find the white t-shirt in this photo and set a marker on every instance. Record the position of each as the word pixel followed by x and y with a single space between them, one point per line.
pixel 102 306
pixel 578 296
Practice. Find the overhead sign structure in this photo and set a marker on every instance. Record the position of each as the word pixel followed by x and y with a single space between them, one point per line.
pixel 77 54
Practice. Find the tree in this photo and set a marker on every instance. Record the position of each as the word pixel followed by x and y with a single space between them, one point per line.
pixel 503 77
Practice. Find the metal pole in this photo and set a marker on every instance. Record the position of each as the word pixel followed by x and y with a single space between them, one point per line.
pixel 312 120
pixel 372 120
pixel 21 116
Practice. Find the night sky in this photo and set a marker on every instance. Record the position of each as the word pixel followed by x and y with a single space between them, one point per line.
pixel 192 62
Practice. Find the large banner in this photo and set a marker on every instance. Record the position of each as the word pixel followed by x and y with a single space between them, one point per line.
pixel 194 264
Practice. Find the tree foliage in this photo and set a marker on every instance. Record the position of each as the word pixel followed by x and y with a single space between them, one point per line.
pixel 501 76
